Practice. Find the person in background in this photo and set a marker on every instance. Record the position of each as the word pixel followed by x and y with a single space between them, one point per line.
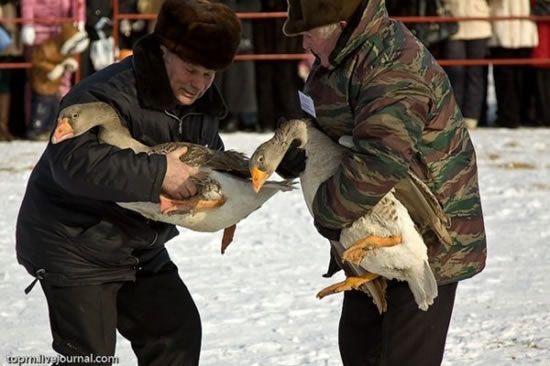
pixel 99 24
pixel 470 42
pixel 35 33
pixel 52 60
pixel 130 30
pixel 277 82
pixel 149 7
pixel 7 11
pixel 237 83
pixel 512 39
pixel 542 71
pixel 374 81
pixel 104 268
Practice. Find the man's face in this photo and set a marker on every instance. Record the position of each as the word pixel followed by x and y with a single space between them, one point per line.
pixel 188 81
pixel 321 44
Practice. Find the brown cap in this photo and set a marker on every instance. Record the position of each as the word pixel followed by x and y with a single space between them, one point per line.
pixel 199 31
pixel 305 15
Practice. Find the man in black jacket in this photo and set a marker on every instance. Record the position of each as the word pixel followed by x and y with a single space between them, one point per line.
pixel 102 267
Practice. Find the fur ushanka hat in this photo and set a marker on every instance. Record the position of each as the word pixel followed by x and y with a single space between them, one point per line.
pixel 199 31
pixel 305 15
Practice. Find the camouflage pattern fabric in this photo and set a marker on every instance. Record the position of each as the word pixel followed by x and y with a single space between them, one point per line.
pixel 387 91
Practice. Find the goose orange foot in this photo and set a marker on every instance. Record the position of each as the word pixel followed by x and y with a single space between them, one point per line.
pixel 169 206
pixel 355 253
pixel 351 283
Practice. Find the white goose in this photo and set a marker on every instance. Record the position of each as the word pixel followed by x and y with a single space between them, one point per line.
pixel 383 242
pixel 224 196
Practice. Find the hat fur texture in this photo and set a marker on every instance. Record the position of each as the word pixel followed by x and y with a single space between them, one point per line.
pixel 199 31
pixel 305 15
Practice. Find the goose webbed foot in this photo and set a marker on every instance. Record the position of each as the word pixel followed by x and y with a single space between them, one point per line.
pixel 356 252
pixel 350 283
pixel 228 233
pixel 170 206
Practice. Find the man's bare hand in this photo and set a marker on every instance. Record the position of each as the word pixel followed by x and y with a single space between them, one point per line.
pixel 177 183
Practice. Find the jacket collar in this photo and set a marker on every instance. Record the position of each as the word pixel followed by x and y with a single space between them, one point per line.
pixel 153 86
pixel 366 22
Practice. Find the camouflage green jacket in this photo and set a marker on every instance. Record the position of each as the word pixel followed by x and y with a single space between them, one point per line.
pixel 387 91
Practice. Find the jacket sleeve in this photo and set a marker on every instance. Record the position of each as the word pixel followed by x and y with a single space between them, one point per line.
pixel 390 115
pixel 85 167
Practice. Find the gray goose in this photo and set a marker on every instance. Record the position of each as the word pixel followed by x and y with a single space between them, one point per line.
pixel 224 196
pixel 382 244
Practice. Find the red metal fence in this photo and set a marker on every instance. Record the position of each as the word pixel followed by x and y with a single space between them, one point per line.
pixel 117 17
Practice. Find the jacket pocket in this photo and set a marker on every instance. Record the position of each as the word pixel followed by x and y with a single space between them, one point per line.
pixel 108 245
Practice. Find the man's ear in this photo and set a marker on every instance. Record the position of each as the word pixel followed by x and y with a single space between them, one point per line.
pixel 163 49
pixel 343 24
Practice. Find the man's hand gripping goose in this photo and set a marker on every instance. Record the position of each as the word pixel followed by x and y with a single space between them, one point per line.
pixel 224 195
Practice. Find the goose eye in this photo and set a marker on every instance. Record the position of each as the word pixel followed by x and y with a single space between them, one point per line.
pixel 75 115
pixel 261 158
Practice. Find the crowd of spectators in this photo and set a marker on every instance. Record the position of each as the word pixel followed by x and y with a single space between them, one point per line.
pixel 259 93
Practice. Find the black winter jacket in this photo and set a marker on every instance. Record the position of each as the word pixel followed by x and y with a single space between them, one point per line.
pixel 69 229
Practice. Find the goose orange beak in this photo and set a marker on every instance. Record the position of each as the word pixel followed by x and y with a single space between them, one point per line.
pixel 258 178
pixel 63 131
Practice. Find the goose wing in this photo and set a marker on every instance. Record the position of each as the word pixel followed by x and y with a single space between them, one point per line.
pixel 228 161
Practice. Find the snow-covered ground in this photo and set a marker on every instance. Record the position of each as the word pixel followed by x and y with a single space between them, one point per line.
pixel 258 304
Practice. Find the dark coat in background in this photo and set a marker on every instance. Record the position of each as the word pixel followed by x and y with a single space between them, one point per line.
pixel 277 82
pixel 95 10
pixel 69 227
pixel 237 83
pixel 542 72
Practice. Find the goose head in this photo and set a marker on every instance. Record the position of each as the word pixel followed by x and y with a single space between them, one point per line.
pixel 267 157
pixel 77 119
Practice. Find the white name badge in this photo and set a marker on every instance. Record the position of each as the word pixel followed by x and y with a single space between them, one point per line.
pixel 307 104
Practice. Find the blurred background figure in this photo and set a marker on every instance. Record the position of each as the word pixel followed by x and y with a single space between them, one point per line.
pixel 52 61
pixel 433 34
pixel 130 30
pixel 470 42
pixel 277 82
pixel 35 33
pixel 8 52
pixel 237 83
pixel 542 72
pixel 99 26
pixel 512 39
pixel 149 7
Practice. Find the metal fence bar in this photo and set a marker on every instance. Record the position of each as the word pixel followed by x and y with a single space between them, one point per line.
pixel 117 16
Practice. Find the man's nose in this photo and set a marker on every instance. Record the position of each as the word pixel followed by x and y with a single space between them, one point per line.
pixel 197 82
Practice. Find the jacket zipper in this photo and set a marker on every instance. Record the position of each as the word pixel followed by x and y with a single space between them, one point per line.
pixel 180 120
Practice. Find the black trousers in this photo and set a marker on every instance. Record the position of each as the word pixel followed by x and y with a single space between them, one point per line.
pixel 403 335
pixel 511 88
pixel 156 313
pixel 467 81
pixel 542 96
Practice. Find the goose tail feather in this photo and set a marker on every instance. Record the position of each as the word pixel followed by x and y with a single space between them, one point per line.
pixel 377 290
pixel 424 287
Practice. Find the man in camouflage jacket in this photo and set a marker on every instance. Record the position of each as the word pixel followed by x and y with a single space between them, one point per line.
pixel 373 80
